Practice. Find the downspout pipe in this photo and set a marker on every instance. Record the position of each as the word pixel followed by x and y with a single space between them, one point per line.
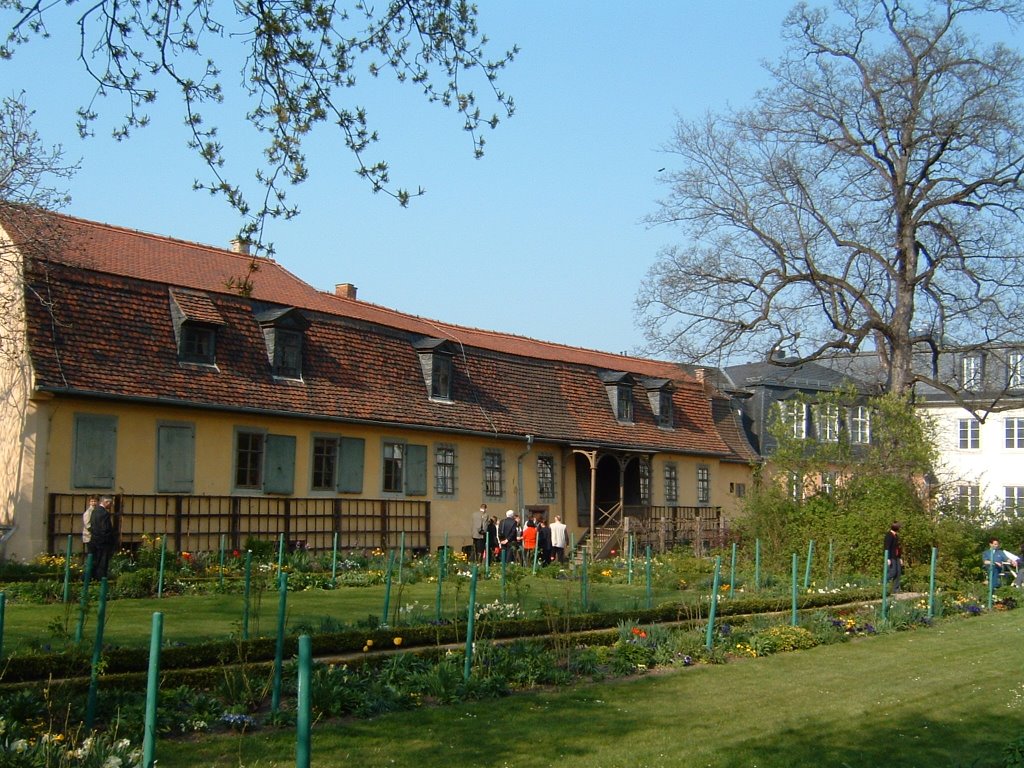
pixel 519 476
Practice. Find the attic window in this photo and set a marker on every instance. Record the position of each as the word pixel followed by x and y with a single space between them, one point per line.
pixel 283 331
pixel 619 386
pixel 436 364
pixel 659 393
pixel 196 322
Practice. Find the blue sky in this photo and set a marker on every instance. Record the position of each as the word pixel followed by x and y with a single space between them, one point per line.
pixel 542 237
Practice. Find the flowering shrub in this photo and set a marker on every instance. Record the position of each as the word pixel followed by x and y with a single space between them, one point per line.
pixel 48 750
pixel 781 638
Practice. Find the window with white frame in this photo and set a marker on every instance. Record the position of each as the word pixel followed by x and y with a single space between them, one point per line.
pixel 1013 499
pixel 970 434
pixel 828 482
pixel 671 483
pixel 860 425
pixel 795 486
pixel 645 481
pixel 325 464
pixel 970 372
pixel 969 497
pixel 1014 433
pixel 827 422
pixel 793 414
pixel 1015 370
pixel 394 467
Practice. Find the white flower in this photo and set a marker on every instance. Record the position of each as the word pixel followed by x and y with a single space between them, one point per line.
pixel 19 746
pixel 112 762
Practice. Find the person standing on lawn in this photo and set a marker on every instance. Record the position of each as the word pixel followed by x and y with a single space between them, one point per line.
pixel 508 534
pixel 559 540
pixel 893 557
pixel 479 532
pixel 102 537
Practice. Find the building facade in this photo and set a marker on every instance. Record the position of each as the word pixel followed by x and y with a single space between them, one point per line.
pixel 219 397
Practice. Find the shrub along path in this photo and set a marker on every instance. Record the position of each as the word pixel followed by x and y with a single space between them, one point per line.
pixel 951 695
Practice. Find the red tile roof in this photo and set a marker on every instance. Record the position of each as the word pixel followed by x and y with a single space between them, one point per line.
pixel 113 336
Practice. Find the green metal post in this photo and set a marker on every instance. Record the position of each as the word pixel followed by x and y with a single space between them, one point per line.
pixel 710 636
pixel 536 553
pixel 160 574
pixel 629 559
pixel 97 655
pixel 504 576
pixel 585 585
pixel 440 584
pixel 280 555
pixel 246 594
pixel 487 553
pixel 67 571
pixel 572 547
pixel 83 603
pixel 831 565
pixel 401 555
pixel 334 561
pixel 303 705
pixel 931 584
pixel 647 571
pixel 222 543
pixel 807 568
pixel 387 590
pixel 444 553
pixel 991 577
pixel 3 610
pixel 282 602
pixel 757 565
pixel 152 687
pixel 792 619
pixel 471 615
pixel 732 572
pixel 885 586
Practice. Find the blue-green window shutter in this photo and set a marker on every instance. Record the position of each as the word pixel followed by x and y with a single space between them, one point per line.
pixel 350 474
pixel 279 464
pixel 415 470
pixel 95 451
pixel 175 458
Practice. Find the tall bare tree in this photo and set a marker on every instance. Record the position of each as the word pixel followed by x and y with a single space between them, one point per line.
pixel 869 200
pixel 30 177
pixel 300 59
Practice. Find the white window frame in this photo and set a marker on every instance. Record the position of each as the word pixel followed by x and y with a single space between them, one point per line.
pixel 969 431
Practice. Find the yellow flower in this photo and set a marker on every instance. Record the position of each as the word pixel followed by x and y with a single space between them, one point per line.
pixel 397 641
pixel 366 648
pixel 369 643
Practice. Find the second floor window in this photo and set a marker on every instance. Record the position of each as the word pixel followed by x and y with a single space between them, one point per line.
pixel 1015 433
pixel 625 403
pixel 441 377
pixel 969 497
pixel 970 372
pixel 970 434
pixel 827 417
pixel 1015 370
pixel 794 418
pixel 198 343
pixel 645 482
pixel 860 425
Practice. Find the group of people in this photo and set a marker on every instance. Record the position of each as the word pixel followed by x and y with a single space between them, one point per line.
pixel 510 541
pixel 999 565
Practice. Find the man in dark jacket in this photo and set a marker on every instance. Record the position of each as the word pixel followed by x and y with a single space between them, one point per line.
pixel 102 538
pixel 893 557
pixel 508 535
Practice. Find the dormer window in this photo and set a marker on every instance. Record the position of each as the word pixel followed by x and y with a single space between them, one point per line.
pixel 436 364
pixel 283 331
pixel 970 372
pixel 659 393
pixel 196 322
pixel 619 386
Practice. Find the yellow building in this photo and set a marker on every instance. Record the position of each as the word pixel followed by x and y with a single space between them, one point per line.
pixel 217 397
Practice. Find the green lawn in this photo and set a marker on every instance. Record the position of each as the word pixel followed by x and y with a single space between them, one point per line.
pixel 951 695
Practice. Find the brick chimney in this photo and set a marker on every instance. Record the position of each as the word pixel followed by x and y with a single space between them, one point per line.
pixel 345 290
pixel 240 246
